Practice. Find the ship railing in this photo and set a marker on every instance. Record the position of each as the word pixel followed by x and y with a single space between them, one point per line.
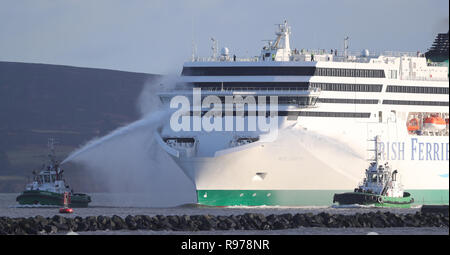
pixel 259 89
pixel 411 78
pixel 319 55
pixel 227 59
pixel 357 54
pixel 441 64
pixel 401 54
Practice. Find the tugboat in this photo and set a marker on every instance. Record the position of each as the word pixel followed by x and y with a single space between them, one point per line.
pixel 48 187
pixel 381 187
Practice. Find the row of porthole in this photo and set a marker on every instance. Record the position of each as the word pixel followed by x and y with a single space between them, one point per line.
pixel 254 194
pixel 241 195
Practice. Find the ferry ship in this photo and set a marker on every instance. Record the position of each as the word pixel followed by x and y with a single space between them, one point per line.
pixel 329 104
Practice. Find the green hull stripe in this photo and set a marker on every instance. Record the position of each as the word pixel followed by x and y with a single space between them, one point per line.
pixel 49 198
pixel 298 197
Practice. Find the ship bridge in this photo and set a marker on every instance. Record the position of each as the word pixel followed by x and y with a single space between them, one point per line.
pixel 278 55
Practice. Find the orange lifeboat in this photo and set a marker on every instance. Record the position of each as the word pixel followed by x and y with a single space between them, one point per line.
pixel 413 125
pixel 434 123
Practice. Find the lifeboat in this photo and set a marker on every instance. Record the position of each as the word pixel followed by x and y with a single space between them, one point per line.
pixel 434 123
pixel 413 125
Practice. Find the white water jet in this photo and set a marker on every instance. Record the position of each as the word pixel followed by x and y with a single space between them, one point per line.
pixel 130 164
pixel 151 112
pixel 150 120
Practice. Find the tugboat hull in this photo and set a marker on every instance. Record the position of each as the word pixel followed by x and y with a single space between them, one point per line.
pixel 37 197
pixel 362 198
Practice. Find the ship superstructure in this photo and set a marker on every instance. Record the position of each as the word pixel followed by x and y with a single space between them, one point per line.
pixel 323 97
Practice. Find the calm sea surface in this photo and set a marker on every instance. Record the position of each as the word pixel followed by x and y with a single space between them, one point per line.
pixel 124 204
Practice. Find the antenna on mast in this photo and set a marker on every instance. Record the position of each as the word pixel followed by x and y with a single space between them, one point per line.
pixel 194 51
pixel 346 47
pixel 194 46
pixel 51 145
pixel 214 47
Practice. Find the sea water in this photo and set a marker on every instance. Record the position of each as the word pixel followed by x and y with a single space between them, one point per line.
pixel 101 205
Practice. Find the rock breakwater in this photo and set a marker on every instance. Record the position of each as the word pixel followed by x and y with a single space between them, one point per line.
pixel 248 221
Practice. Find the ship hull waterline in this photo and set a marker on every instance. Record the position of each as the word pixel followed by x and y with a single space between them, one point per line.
pixel 362 198
pixel 299 197
pixel 34 197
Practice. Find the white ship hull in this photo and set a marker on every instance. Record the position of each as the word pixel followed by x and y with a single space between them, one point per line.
pixel 311 157
pixel 330 105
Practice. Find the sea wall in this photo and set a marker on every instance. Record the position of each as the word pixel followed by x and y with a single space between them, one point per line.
pixel 248 221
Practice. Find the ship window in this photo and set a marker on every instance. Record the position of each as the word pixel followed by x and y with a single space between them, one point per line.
pixel 248 71
pixel 374 178
pixel 347 101
pixel 348 87
pixel 349 72
pixel 380 116
pixel 46 178
pixel 417 89
pixel 308 114
pixel 424 103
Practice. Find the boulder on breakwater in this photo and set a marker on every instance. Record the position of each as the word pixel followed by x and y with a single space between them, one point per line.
pixel 247 221
pixel 435 209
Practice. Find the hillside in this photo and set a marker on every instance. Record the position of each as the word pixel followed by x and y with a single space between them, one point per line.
pixel 70 104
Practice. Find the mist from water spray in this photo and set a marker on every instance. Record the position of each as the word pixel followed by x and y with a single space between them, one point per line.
pixel 336 154
pixel 129 163
pixel 148 121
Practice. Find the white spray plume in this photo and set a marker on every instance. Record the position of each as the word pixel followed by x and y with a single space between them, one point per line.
pixel 130 164
pixel 335 154
pixel 152 119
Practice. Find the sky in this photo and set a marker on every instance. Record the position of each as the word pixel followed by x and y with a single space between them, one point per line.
pixel 156 36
